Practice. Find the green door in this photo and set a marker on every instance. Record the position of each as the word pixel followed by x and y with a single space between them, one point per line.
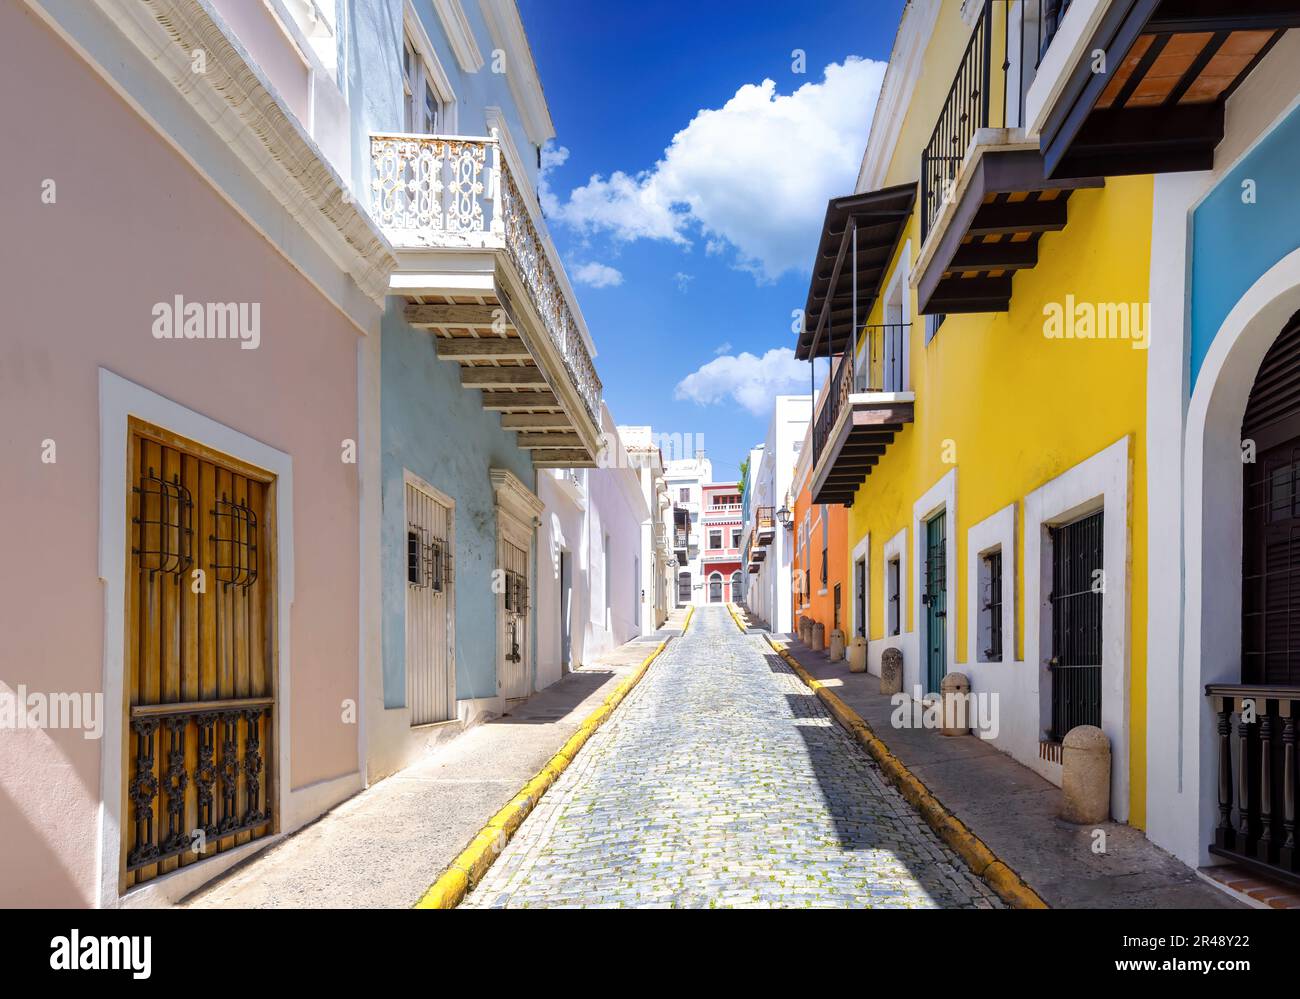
pixel 936 602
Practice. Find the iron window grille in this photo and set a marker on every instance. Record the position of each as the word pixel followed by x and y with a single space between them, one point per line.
pixel 895 615
pixel 234 543
pixel 1075 666
pixel 164 527
pixel 516 593
pixel 823 575
pixel 993 605
pixel 428 559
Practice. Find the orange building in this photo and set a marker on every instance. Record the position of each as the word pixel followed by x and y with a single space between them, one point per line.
pixel 820 589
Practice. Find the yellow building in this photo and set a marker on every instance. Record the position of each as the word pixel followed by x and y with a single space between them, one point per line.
pixel 987 429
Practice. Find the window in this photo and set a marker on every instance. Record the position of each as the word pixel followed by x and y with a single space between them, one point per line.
pixel 715 540
pixel 609 580
pixel 991 606
pixel 735 537
pixel 1076 600
pixel 932 324
pixel 683 587
pixel 715 588
pixel 422 105
pixel 893 598
pixel 684 494
pixel 825 535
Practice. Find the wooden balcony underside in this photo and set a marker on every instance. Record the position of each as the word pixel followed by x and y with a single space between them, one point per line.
pixel 1159 106
pixel 861 437
pixel 1003 210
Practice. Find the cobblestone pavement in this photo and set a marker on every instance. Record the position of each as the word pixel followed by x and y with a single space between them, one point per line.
pixel 722 781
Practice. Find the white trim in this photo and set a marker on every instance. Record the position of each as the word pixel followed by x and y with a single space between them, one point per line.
pixel 996 531
pixel 1100 482
pixel 861 553
pixel 460 36
pixel 120 399
pixel 941 496
pixel 1075 30
pixel 438 76
pixel 507 31
pixel 906 61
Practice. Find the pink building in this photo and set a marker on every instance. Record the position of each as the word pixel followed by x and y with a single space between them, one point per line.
pixel 721 526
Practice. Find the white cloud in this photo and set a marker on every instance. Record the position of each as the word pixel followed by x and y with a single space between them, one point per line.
pixel 683 280
pixel 553 156
pixel 596 275
pixel 745 378
pixel 752 176
pixel 722 348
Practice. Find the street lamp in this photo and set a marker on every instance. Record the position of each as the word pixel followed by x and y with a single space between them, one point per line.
pixel 785 517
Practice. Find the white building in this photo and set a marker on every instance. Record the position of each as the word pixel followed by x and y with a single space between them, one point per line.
pixel 686 479
pixel 659 565
pixel 767 544
pixel 592 552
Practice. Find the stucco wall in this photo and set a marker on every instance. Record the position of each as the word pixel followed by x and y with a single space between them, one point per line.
pixel 440 431
pixel 134 225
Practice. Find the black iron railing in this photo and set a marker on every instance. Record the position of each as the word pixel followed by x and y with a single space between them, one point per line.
pixel 987 91
pixel 1076 600
pixel 878 367
pixel 764 523
pixel 1257 783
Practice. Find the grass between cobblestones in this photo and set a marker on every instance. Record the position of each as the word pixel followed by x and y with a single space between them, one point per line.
pixel 463 873
pixel 982 861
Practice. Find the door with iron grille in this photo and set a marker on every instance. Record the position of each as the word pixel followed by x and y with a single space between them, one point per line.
pixel 1077 588
pixel 936 602
pixel 512 669
pixel 430 662
pixel 200 656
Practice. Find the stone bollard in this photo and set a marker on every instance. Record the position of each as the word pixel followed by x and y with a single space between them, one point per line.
pixel 953 688
pixel 837 645
pixel 858 655
pixel 803 629
pixel 1085 775
pixel 818 636
pixel 891 672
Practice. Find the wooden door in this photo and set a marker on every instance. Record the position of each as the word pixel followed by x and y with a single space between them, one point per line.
pixel 936 602
pixel 200 655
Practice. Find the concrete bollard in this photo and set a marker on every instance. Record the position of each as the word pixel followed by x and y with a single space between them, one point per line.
pixel 837 645
pixel 891 672
pixel 858 655
pixel 1085 775
pixel 953 688
pixel 818 636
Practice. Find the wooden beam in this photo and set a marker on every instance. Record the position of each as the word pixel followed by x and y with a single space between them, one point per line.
pixel 483 348
pixel 513 401
pixel 1019 216
pixel 1004 255
pixel 577 457
pixel 561 440
pixel 535 421
pixel 490 378
pixel 458 315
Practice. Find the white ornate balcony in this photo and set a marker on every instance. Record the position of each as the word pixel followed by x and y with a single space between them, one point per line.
pixel 466 232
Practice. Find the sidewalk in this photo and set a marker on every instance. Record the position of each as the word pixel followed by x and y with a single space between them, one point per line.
pixel 1014 811
pixel 385 846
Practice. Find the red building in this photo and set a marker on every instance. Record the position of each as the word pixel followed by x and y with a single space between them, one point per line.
pixel 720 530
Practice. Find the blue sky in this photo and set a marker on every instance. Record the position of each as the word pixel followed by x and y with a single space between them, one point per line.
pixel 685 194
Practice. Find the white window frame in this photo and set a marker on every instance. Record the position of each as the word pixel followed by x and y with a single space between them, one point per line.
pixel 896 548
pixel 429 73
pixel 994 533
pixel 861 553
pixel 941 497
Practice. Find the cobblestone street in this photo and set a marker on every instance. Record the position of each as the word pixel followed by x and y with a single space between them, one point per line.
pixel 722 781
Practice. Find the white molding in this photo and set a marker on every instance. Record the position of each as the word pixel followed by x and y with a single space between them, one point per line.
pixel 895 548
pixel 904 70
pixel 861 553
pixel 242 107
pixel 941 496
pixel 424 48
pixel 1101 482
pixel 460 36
pixel 995 531
pixel 120 399
pixel 507 31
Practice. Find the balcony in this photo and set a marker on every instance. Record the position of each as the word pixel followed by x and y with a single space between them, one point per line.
pixel 986 198
pixel 764 529
pixel 863 407
pixel 478 271
pixel 1158 105
pixel 1255 826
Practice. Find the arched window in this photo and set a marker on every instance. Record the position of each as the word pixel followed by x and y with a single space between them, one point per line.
pixel 735 585
pixel 715 588
pixel 684 587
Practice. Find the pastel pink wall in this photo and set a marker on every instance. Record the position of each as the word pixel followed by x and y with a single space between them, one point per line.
pixel 134 224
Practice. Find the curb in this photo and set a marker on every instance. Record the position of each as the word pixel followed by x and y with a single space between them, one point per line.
pixel 982 861
pixel 463 873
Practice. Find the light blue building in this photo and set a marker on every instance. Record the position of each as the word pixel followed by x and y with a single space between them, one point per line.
pixel 483 371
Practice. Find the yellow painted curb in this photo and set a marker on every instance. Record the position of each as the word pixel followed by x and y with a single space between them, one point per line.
pixel 982 861
pixel 731 609
pixel 463 873
pixel 689 614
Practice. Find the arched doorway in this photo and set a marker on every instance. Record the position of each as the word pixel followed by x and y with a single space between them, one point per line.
pixel 684 587
pixel 715 588
pixel 735 586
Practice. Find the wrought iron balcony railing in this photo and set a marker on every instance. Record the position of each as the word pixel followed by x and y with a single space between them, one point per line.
pixel 457 192
pixel 764 523
pixel 878 367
